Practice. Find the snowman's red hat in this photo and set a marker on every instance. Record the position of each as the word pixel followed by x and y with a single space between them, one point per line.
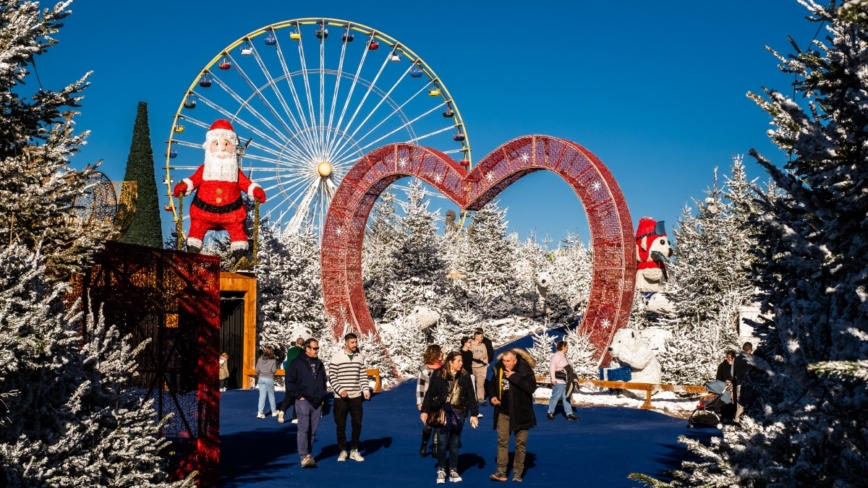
pixel 221 129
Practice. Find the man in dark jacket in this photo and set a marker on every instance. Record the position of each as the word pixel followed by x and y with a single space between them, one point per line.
pixel 511 392
pixel 306 382
pixel 291 354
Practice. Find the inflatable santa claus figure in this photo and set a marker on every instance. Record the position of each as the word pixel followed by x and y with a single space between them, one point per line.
pixel 218 184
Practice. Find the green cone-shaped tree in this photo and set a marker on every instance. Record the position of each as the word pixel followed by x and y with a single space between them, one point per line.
pixel 146 229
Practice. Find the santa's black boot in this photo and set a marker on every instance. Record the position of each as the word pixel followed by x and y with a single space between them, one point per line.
pixel 194 248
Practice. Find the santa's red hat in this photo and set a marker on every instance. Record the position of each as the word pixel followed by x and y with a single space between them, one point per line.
pixel 221 129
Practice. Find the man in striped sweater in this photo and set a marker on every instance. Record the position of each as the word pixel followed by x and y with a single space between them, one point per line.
pixel 349 380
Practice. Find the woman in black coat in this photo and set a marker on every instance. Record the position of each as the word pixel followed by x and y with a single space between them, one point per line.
pixel 724 373
pixel 450 388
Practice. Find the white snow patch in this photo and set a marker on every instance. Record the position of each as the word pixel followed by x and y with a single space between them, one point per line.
pixel 664 402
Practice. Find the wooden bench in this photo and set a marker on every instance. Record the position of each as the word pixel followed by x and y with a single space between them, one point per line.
pixel 649 388
pixel 375 373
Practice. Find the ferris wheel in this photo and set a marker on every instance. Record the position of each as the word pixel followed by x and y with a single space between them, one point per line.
pixel 307 104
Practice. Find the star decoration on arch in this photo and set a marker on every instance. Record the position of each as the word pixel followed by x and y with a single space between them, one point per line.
pixel 438 178
pixel 402 162
pixel 596 186
pixel 524 157
pixel 489 176
pixel 605 323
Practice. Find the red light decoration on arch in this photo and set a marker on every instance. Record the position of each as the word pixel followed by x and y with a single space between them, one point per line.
pixel 612 241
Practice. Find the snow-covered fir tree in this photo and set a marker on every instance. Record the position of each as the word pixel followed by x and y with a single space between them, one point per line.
pixel 37 186
pixel 381 240
pixel 70 416
pixel 710 280
pixel 486 263
pixel 289 287
pixel 417 273
pixel 812 278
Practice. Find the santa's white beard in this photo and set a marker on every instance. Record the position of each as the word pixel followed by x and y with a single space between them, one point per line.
pixel 220 166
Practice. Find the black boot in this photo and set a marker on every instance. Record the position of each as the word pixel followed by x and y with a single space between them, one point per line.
pixel 193 248
pixel 424 449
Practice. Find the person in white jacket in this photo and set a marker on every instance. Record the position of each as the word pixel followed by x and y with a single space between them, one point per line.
pixel 559 382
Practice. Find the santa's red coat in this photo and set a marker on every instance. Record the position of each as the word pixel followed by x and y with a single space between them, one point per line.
pixel 218 202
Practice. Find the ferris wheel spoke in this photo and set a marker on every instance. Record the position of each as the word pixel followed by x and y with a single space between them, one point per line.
pixel 264 148
pixel 434 133
pixel 196 122
pixel 187 144
pixel 240 121
pixel 437 107
pixel 243 104
pixel 352 89
pixel 377 106
pixel 367 92
pixel 397 110
pixel 453 151
pixel 288 76
pixel 337 88
pixel 258 93
pixel 302 207
pixel 307 91
pixel 273 84
pixel 322 90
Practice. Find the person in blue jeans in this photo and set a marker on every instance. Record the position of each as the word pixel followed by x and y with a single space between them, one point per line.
pixel 558 378
pixel 266 365
pixel 452 389
pixel 306 382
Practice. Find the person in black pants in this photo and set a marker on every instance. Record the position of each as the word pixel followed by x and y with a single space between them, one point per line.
pixel 349 380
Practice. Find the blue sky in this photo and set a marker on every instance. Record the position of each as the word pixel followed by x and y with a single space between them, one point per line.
pixel 655 89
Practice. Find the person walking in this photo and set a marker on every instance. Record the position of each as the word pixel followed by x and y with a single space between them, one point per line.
pixel 266 365
pixel 224 370
pixel 740 366
pixel 306 382
pixel 291 354
pixel 431 362
pixel 511 392
pixel 558 377
pixel 724 373
pixel 349 379
pixel 451 390
pixel 480 364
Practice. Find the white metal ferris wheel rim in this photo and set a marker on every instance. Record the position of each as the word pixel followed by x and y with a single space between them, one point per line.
pixel 316 138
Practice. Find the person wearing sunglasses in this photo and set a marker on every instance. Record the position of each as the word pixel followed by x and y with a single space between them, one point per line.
pixel 306 382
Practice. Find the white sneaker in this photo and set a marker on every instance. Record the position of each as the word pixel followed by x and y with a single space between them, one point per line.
pixel 479 415
pixel 454 478
pixel 222 389
pixel 280 417
pixel 276 414
pixel 355 456
pixel 441 477
pixel 260 416
pixel 342 456
pixel 294 421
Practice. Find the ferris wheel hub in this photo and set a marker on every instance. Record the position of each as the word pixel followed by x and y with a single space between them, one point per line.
pixel 324 169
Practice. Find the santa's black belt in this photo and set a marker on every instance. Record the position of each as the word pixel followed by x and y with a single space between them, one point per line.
pixel 218 209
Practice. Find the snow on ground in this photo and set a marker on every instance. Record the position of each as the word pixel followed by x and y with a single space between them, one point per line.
pixel 667 403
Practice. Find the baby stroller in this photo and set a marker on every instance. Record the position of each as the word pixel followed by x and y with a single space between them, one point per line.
pixel 708 411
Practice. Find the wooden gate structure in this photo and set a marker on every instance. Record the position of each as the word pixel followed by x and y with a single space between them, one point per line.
pixel 172 299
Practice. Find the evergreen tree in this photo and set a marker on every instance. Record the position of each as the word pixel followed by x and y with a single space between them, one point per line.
pixel 37 187
pixel 288 286
pixel 417 274
pixel 811 275
pixel 487 261
pixel 381 239
pixel 146 228
pixel 71 417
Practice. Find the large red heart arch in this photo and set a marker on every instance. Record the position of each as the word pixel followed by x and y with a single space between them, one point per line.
pixel 612 241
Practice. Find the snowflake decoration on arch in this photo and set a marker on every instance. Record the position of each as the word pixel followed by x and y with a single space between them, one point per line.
pixel 402 162
pixel 524 157
pixel 438 178
pixel 489 176
pixel 606 324
pixel 596 186
pixel 339 231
